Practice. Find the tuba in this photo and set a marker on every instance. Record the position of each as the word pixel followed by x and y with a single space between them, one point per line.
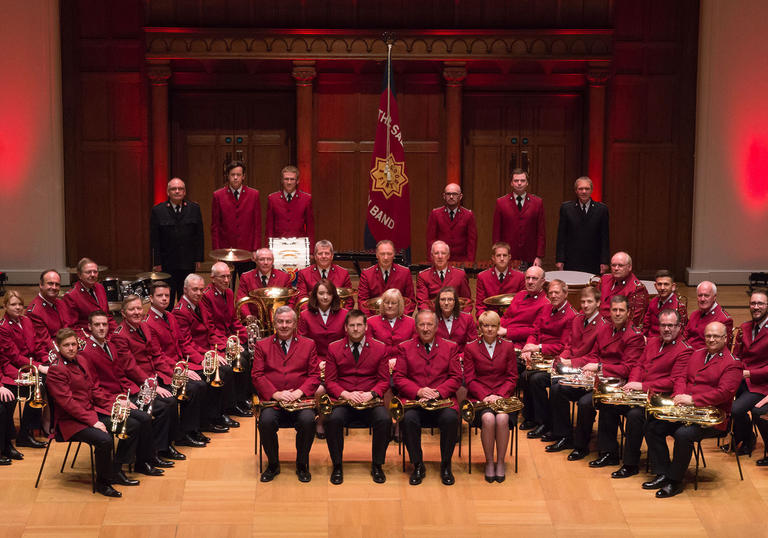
pixel 29 376
pixel 211 368
pixel 469 408
pixel 325 404
pixel 121 410
pixel 397 406
pixel 232 352
pixel 147 394
pixel 179 380
pixel 612 394
pixel 267 300
pixel 662 407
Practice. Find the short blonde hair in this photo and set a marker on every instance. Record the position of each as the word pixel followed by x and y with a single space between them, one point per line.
pixel 489 317
pixel 394 293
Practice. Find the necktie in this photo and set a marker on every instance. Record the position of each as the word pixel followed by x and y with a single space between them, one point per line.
pixel 451 214
pixel 93 294
pixel 584 208
pixel 519 203
pixel 356 351
pixel 442 276
pixel 586 322
pixel 264 281
pixel 288 197
pixel 324 273
pixel 165 317
pixel 755 330
pixel 197 311
pixel 707 358
pixel 284 345
pixel 501 277
pixel 141 333
pixel 237 195
pixel 107 351
pixel 178 210
pixel 427 346
pixel 386 276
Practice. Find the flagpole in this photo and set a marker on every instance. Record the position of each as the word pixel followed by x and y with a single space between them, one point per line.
pixel 389 116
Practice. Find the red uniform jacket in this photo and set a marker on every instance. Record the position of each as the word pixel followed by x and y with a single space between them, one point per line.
pixel 488 285
pixel 108 371
pixel 79 305
pixel 714 383
pixel 309 276
pixel 392 336
pixel 440 369
pixel 485 375
pixel 372 285
pixel 251 280
pixel 236 223
pixel 553 332
pixel 218 309
pixel 659 366
pixel 753 353
pixel 520 318
pixel 634 290
pixel 47 318
pixel 523 230
pixel 617 351
pixel 651 320
pixel 77 402
pixel 312 326
pixel 369 373
pixel 460 233
pixel 140 357
pixel 17 345
pixel 429 283
pixel 273 371
pixel 291 219
pixel 463 330
pixel 694 331
pixel 192 324
pixel 583 335
pixel 174 345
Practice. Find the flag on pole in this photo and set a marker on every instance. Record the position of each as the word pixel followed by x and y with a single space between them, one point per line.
pixel 389 200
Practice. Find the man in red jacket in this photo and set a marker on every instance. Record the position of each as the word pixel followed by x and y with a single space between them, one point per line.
pixel 323 268
pixel 709 310
pixel 519 221
pixel 667 298
pixel 236 215
pixel 357 371
pixel 428 368
pixel 86 296
pixel 285 369
pixel 289 211
pixel 518 320
pixel 386 274
pixel 46 311
pixel 439 276
pixel 621 281
pixel 453 224
pixel 499 279
pixel 711 379
pixel 264 276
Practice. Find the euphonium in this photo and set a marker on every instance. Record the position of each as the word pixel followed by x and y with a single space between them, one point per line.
pixel 325 404
pixel 397 406
pixel 468 408
pixel 120 411
pixel 614 394
pixel 147 394
pixel 663 407
pixel 232 352
pixel 29 376
pixel 179 380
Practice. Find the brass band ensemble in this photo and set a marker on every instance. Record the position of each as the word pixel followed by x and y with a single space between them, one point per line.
pixel 170 362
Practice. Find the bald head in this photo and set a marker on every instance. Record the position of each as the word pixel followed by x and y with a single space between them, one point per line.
pixel 534 279
pixel 220 275
pixel 452 195
pixel 176 191
pixel 715 336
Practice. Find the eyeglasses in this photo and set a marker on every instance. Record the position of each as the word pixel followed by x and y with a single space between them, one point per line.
pixel 713 336
pixel 451 194
pixel 668 325
pixel 756 303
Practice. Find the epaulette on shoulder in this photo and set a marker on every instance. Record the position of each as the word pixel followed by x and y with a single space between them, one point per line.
pixel 2 321
pixel 118 330
pixel 637 330
pixel 374 340
pixel 473 341
pixel 424 271
pixel 686 344
pixel 31 307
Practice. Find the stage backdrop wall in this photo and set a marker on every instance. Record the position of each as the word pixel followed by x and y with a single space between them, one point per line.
pixel 31 169
pixel 731 175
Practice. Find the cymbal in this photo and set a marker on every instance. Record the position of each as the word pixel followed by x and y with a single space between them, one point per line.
pixel 499 300
pixel 73 270
pixel 230 255
pixel 154 275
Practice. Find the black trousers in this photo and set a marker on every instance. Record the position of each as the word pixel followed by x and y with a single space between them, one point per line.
pixel 165 421
pixel 139 446
pixel 559 398
pixel 608 426
pixel 656 433
pixel 240 268
pixel 447 420
pixel 177 283
pixel 218 399
pixel 536 398
pixel 243 385
pixel 189 418
pixel 7 428
pixel 375 417
pixel 742 425
pixel 102 448
pixel 31 417
pixel 303 421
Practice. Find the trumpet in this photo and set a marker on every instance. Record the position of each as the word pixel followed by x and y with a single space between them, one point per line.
pixel 29 376
pixel 211 368
pixel 147 394
pixel 232 352
pixel 255 330
pixel 663 407
pixel 397 406
pixel 469 408
pixel 121 410
pixel 179 380
pixel 613 394
pixel 325 404
pixel 295 405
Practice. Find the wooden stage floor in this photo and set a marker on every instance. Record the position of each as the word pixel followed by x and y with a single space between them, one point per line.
pixel 216 492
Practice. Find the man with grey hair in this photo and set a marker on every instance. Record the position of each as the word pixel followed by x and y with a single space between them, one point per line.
pixel 709 310
pixel 621 281
pixel 323 268
pixel 441 275
pixel 285 370
pixel 582 234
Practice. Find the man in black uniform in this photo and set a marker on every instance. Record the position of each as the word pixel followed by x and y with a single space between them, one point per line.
pixel 176 237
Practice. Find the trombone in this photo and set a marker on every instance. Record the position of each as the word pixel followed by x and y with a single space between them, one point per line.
pixel 120 412
pixel 397 406
pixel 29 376
pixel 211 368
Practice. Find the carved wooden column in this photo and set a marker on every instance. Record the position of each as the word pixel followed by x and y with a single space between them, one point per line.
pixel 158 75
pixel 597 79
pixel 304 73
pixel 454 74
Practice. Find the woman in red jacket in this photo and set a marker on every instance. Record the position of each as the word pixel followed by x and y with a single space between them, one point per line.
pixel 452 323
pixel 392 327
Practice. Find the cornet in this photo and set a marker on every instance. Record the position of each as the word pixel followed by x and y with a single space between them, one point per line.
pixel 120 411
pixel 29 376
pixel 211 368
pixel 179 380
pixel 232 352
pixel 147 394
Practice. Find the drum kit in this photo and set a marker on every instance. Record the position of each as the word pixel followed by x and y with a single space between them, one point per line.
pixel 118 289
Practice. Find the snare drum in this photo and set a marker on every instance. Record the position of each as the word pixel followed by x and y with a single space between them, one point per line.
pixel 112 287
pixel 142 288
pixel 576 280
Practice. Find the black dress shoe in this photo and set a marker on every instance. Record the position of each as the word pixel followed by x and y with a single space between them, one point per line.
pixel 418 474
pixel 548 437
pixel 670 489
pixel 501 478
pixel 11 452
pixel 320 435
pixel 107 490
pixel 29 441
pixel 378 474
pixel 240 412
pixel 161 463
pixel 270 473
pixel 228 422
pixel 490 479
pixel 198 436
pixel 446 475
pixel 625 471
pixel 762 462
pixel 148 469
pixel 214 428
pixel 528 425
pixel 123 480
pixel 563 444
pixel 187 440
pixel 605 460
pixel 537 432
pixel 661 480
pixel 171 454
pixel 4 460
pixel 302 471
pixel 578 454
pixel 337 475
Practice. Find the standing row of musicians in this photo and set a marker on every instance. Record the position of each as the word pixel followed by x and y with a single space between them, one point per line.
pixel 176 225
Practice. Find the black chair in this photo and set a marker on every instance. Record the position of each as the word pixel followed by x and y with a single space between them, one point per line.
pixel 699 453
